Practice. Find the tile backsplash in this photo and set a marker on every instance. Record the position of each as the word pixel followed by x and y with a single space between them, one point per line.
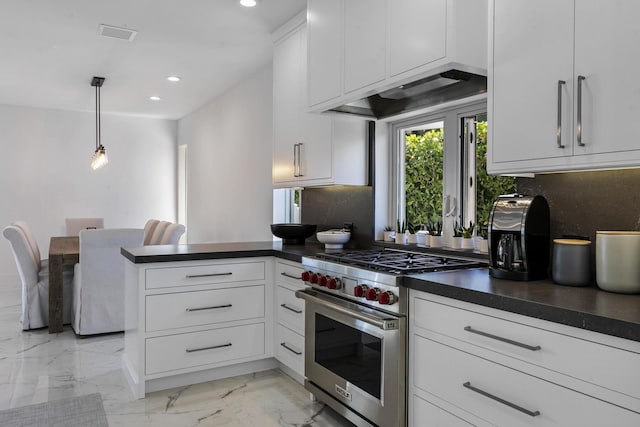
pixel 331 207
pixel 583 202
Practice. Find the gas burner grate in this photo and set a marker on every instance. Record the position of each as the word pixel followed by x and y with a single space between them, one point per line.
pixel 396 262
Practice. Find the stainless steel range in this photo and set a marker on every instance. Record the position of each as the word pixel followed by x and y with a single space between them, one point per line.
pixel 356 330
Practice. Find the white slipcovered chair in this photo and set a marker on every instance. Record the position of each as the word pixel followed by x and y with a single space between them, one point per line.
pixel 149 228
pixel 74 225
pixel 98 283
pixel 172 234
pixel 34 276
pixel 156 238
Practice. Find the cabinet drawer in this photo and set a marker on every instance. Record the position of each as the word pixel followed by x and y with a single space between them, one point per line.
pixel 288 274
pixel 444 372
pixel 202 348
pixel 204 274
pixel 423 410
pixel 290 349
pixel 586 360
pixel 183 309
pixel 290 309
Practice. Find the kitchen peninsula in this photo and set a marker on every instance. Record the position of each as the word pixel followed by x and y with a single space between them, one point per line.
pixel 160 279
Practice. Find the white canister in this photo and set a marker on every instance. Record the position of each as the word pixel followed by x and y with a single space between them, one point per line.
pixel 618 261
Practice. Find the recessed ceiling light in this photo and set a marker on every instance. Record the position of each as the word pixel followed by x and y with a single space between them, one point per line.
pixel 173 79
pixel 248 3
pixel 155 98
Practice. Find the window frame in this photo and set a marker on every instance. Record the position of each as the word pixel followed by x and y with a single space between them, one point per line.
pixel 454 175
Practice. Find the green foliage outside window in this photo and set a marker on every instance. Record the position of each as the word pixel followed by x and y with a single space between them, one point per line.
pixel 424 173
pixel 423 176
pixel 488 187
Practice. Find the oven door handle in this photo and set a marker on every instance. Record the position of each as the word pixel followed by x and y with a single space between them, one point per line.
pixel 383 323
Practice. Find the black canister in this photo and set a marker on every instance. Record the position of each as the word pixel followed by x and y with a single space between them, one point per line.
pixel 571 264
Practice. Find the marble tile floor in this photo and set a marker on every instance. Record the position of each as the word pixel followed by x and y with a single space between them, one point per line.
pixel 37 367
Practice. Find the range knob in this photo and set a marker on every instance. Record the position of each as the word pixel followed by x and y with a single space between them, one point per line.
pixel 387 298
pixel 334 283
pixel 322 280
pixel 305 276
pixel 360 291
pixel 313 278
pixel 372 294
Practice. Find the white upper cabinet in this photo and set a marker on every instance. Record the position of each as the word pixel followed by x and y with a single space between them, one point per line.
pixel 386 43
pixel 325 35
pixel 417 33
pixel 364 43
pixel 563 90
pixel 309 149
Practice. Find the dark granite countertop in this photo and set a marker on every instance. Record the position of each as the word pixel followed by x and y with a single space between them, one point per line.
pixel 203 251
pixel 583 307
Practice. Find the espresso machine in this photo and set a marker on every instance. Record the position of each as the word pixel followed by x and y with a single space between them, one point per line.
pixel 519 237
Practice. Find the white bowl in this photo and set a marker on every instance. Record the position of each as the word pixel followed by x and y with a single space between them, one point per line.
pixel 333 239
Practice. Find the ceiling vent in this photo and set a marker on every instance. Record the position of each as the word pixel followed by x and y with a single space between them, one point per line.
pixel 116 32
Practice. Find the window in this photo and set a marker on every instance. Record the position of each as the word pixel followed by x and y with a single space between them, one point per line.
pixel 440 169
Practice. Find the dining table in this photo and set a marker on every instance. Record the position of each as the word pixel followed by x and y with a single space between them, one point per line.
pixel 63 250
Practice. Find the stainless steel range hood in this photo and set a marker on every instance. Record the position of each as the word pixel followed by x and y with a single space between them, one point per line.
pixel 433 90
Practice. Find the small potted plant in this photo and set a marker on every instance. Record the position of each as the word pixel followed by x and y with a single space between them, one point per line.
pixel 481 244
pixel 457 236
pixel 467 234
pixel 435 234
pixel 388 234
pixel 401 233
pixel 412 229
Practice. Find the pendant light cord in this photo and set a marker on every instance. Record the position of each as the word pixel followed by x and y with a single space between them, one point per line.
pixel 98 142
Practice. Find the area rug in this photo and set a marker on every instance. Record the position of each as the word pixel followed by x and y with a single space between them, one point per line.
pixel 80 411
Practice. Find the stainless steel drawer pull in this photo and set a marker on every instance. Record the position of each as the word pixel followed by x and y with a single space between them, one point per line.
pixel 213 347
pixel 193 276
pixel 213 307
pixel 296 352
pixel 291 309
pixel 290 276
pixel 559 129
pixel 507 340
pixel 504 402
pixel 579 112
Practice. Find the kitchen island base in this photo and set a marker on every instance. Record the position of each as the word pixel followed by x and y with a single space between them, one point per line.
pixel 188 322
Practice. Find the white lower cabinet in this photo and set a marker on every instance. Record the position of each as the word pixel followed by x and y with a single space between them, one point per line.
pixel 195 321
pixel 472 365
pixel 289 345
pixel 180 351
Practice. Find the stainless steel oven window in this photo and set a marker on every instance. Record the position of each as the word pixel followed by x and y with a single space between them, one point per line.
pixel 351 354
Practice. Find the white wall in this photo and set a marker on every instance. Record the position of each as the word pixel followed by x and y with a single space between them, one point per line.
pixel 229 164
pixel 45 174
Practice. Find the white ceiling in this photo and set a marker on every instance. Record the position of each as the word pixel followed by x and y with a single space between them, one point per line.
pixel 50 50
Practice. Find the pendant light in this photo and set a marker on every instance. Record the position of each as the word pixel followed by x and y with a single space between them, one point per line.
pixel 99 158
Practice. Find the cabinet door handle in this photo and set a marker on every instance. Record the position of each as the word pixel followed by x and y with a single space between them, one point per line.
pixel 192 350
pixel 559 129
pixel 504 402
pixel 193 276
pixel 213 307
pixel 296 352
pixel 300 159
pixel 290 276
pixel 295 160
pixel 291 309
pixel 579 113
pixel 507 340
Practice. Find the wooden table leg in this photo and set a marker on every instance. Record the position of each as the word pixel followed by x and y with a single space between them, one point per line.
pixel 55 294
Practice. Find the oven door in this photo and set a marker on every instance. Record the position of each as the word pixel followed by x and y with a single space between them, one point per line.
pixel 356 355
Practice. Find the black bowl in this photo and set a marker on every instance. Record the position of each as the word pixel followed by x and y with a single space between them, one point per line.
pixel 293 234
